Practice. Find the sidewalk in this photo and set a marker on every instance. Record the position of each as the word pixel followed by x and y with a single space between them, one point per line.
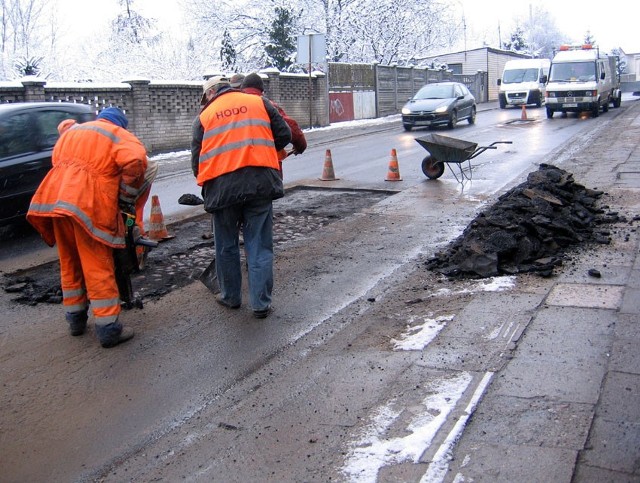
pixel 566 408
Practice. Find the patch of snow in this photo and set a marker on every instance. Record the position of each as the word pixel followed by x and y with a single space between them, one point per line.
pixel 493 284
pixel 372 450
pixel 358 123
pixel 439 466
pixel 170 156
pixel 417 337
pixel 497 284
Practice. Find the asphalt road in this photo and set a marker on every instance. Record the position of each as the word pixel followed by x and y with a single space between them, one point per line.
pixel 207 394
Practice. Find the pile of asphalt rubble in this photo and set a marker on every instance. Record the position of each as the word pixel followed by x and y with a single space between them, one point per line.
pixel 529 229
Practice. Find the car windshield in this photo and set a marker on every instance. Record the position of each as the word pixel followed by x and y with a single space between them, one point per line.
pixel 573 72
pixel 435 92
pixel 514 76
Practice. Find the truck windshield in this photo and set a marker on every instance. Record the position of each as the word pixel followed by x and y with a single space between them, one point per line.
pixel 573 72
pixel 515 76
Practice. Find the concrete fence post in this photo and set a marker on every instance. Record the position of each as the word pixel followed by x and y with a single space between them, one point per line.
pixel 33 89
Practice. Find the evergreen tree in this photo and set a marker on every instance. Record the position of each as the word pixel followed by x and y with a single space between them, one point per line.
pixel 28 66
pixel 281 44
pixel 516 43
pixel 228 54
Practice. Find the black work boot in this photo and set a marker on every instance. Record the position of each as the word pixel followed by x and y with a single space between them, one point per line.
pixel 77 322
pixel 111 335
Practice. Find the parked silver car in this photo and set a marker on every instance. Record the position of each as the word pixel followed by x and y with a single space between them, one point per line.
pixel 28 132
pixel 439 104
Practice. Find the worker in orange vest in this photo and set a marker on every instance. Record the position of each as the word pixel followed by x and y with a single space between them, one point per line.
pixel 234 158
pixel 95 164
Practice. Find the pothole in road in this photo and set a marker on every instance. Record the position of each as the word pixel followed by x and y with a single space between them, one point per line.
pixel 179 261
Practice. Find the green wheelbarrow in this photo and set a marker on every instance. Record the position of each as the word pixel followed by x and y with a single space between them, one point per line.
pixel 447 150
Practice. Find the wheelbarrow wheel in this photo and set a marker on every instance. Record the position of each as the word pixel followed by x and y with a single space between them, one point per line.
pixel 432 168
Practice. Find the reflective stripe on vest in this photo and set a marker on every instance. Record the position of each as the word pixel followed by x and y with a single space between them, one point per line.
pixel 237 134
pixel 78 214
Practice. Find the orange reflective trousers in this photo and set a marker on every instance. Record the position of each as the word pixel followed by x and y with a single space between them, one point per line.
pixel 87 272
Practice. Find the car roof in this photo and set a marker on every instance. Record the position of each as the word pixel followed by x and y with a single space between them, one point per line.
pixel 444 83
pixel 63 106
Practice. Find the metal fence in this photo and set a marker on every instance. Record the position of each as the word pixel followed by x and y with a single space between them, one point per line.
pixel 390 86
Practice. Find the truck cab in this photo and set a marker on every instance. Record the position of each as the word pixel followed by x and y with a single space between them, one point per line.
pixel 523 82
pixel 581 79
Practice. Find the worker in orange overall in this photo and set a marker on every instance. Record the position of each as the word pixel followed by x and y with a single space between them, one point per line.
pixel 253 84
pixel 95 164
pixel 136 198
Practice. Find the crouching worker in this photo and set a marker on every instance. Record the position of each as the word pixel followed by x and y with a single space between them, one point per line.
pixel 130 197
pixel 77 207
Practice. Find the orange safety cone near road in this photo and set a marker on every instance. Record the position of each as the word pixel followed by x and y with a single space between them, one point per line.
pixel 157 228
pixel 523 116
pixel 327 170
pixel 394 170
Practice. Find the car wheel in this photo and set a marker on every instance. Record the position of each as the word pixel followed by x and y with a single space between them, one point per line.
pixel 431 168
pixel 453 120
pixel 472 116
pixel 605 107
pixel 617 101
pixel 407 127
pixel 503 103
pixel 595 112
pixel 549 113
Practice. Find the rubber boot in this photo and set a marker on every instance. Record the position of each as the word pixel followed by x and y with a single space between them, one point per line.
pixel 77 322
pixel 111 335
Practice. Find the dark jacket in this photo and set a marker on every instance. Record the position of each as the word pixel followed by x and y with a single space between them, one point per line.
pixel 297 136
pixel 246 184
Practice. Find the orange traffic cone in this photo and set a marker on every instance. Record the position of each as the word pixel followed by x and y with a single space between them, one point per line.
pixel 327 170
pixel 157 228
pixel 523 116
pixel 394 170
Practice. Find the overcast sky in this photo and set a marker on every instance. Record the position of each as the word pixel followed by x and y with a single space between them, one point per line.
pixel 612 26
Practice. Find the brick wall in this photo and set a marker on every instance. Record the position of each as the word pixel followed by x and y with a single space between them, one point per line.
pixel 161 113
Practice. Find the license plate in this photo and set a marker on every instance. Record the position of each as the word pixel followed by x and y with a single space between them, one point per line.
pixel 570 105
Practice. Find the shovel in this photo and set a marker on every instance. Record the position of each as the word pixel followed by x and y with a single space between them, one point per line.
pixel 209 278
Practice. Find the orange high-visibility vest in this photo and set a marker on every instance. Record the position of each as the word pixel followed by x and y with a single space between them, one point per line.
pixel 237 134
pixel 94 164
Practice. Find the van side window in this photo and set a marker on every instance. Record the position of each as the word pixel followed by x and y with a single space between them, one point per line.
pixel 17 136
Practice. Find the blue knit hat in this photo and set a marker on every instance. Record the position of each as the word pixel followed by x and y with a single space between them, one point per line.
pixel 114 115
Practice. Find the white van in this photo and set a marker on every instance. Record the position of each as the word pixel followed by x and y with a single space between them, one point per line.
pixel 523 82
pixel 582 79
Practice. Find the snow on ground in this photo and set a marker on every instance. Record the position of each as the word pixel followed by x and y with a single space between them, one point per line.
pixel 417 337
pixel 373 450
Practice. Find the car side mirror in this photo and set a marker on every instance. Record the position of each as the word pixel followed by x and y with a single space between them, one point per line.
pixel 499 81
pixel 602 75
pixel 544 79
pixel 460 98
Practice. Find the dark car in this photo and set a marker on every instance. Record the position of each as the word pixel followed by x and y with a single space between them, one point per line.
pixel 28 131
pixel 439 104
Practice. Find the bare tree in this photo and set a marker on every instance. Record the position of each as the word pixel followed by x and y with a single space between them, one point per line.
pixel 541 33
pixel 390 32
